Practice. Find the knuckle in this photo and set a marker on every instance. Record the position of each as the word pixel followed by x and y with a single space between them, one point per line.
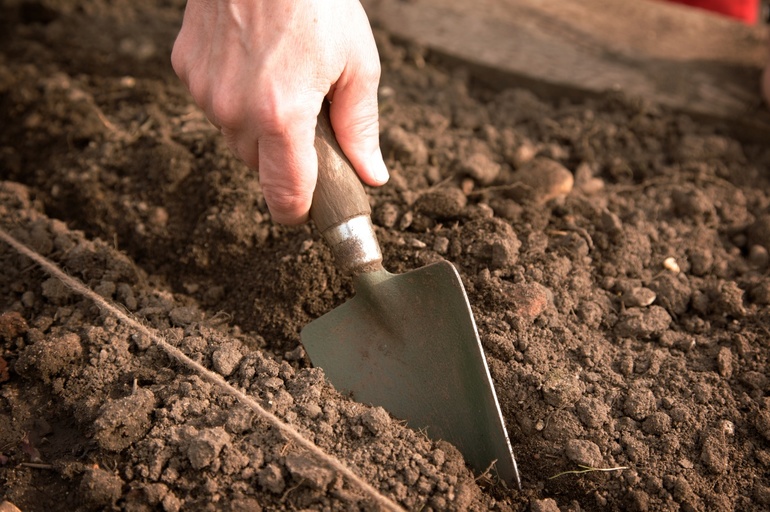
pixel 225 108
pixel 287 202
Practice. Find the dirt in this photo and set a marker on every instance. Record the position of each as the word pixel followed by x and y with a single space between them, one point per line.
pixel 615 254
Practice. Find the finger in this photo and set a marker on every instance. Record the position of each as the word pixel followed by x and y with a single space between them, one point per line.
pixel 355 119
pixel 288 169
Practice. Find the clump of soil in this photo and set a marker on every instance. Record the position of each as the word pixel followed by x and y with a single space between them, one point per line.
pixel 615 254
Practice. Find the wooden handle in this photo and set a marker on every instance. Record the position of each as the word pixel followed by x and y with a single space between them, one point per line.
pixel 339 194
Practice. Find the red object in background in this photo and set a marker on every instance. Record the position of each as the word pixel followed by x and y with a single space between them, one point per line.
pixel 744 10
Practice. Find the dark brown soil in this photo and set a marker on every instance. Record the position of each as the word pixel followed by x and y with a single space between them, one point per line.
pixel 615 253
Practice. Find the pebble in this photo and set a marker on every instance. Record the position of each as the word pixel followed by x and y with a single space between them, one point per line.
pixel 305 470
pixel 226 359
pixel 405 147
pixel 386 215
pixel 562 390
pixel 481 168
pixel 584 453
pixel 206 446
pixel 638 297
pixel 441 203
pixel 714 451
pixel 541 180
pixel 592 413
pixel 524 153
pixel 639 404
pixel 544 505
pixel 673 293
pixel 441 245
pixel 643 322
pixel 376 420
pixel 725 362
pixel 529 299
pixel 671 265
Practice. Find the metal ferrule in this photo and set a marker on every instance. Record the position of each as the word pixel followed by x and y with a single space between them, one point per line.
pixel 354 245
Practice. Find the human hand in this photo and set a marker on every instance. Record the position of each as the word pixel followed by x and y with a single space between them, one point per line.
pixel 260 70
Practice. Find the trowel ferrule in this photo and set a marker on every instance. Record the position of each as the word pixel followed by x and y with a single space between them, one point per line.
pixel 354 245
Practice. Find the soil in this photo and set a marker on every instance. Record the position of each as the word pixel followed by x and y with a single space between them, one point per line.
pixel 615 254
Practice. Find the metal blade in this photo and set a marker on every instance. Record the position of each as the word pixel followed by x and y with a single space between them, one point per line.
pixel 409 343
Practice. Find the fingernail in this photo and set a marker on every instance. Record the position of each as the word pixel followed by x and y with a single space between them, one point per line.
pixel 379 169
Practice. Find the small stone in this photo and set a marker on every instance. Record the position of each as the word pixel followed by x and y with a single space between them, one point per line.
pixel 206 446
pixel 673 293
pixel 584 453
pixel 638 297
pixel 592 413
pixel 376 420
pixel 760 293
pixel 524 153
pixel 643 323
pixel 714 453
pixel 245 505
pixel 442 203
pixel 701 260
pixel 725 362
pixel 540 181
pixel 303 469
pixel 639 404
pixel 312 410
pixel 441 245
pixel 481 168
pixel 544 505
pixel 226 359
pixel 404 147
pixel 386 215
pixel 562 390
pixel 758 256
pixel 529 300
pixel 671 265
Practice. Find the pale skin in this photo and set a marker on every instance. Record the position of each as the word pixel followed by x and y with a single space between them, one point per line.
pixel 260 70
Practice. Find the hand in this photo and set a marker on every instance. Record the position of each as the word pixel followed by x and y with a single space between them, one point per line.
pixel 260 70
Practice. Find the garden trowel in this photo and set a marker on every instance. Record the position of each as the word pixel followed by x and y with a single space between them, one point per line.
pixel 405 342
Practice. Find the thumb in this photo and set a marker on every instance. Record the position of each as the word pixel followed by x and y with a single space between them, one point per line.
pixel 355 119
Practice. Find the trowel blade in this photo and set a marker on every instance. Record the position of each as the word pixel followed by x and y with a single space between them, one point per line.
pixel 409 344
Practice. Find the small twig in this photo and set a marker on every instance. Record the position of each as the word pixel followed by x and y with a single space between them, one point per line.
pixel 36 465
pixel 586 469
pixel 487 472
